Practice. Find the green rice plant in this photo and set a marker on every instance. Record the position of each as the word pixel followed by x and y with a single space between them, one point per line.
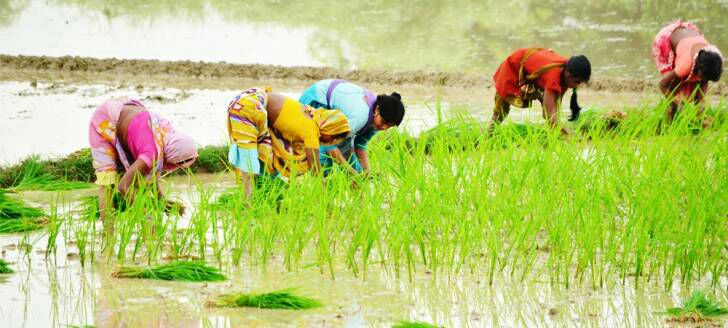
pixel 413 324
pixel 34 177
pixel 698 307
pixel 178 271
pixel 284 299
pixel 16 209
pixel 5 267
pixel 20 225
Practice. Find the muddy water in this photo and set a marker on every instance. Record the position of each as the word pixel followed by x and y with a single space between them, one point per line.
pixel 461 36
pixel 58 291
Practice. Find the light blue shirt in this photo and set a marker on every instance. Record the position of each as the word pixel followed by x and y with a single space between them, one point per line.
pixel 351 100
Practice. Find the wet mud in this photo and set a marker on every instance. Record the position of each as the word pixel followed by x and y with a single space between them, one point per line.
pixel 187 74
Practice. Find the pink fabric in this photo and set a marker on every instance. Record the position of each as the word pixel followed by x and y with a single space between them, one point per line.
pixel 108 155
pixel 685 55
pixel 140 139
pixel 178 148
pixel 662 51
pixel 105 149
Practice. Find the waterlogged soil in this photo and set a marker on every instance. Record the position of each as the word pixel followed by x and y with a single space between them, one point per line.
pixel 58 290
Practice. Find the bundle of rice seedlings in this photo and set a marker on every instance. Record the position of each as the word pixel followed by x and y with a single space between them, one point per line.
pixel 34 177
pixel 20 225
pixel 698 307
pixel 413 324
pixel 15 209
pixel 179 271
pixel 5 267
pixel 281 299
pixel 15 216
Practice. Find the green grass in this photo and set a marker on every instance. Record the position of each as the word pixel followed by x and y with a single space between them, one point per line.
pixel 178 271
pixel 34 177
pixel 283 299
pixel 413 324
pixel 699 306
pixel 5 267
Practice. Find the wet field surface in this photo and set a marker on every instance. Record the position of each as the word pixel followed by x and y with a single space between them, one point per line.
pixel 58 291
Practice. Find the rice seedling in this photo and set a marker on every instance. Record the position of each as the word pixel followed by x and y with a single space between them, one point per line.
pixel 33 177
pixel 16 216
pixel 413 324
pixel 5 267
pixel 284 299
pixel 15 209
pixel 611 206
pixel 178 271
pixel 698 307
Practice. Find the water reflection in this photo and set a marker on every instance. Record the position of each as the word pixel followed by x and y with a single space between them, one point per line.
pixel 460 35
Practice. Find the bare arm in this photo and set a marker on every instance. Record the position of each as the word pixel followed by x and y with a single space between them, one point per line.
pixel 363 158
pixel 137 169
pixel 551 108
pixel 339 158
pixel 668 83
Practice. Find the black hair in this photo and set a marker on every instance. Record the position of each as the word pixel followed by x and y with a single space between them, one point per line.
pixel 709 65
pixel 390 108
pixel 574 106
pixel 580 68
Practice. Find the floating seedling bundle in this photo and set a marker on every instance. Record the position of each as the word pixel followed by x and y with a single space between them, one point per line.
pixel 283 299
pixel 16 216
pixel 697 308
pixel 5 267
pixel 193 271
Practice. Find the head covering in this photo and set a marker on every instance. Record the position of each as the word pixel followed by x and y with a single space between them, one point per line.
pixel 331 122
pixel 179 147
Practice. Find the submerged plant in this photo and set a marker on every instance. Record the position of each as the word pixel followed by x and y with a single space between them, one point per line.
pixel 179 271
pixel 282 299
pixel 5 267
pixel 413 324
pixel 697 307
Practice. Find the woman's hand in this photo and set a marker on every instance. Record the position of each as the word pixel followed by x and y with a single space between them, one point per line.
pixel 174 207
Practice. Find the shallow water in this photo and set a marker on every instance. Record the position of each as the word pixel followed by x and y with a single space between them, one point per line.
pixel 423 35
pixel 59 291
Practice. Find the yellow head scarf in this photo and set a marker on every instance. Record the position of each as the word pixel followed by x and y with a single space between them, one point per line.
pixel 331 122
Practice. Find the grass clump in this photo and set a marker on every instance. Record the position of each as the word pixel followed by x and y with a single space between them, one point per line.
pixel 16 209
pixel 283 299
pixel 413 324
pixel 698 307
pixel 16 216
pixel 5 267
pixel 179 271
pixel 33 176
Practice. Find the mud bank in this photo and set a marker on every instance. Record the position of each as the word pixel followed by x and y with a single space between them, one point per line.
pixel 187 74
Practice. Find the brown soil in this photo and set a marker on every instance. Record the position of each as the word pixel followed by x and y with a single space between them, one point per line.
pixel 187 74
